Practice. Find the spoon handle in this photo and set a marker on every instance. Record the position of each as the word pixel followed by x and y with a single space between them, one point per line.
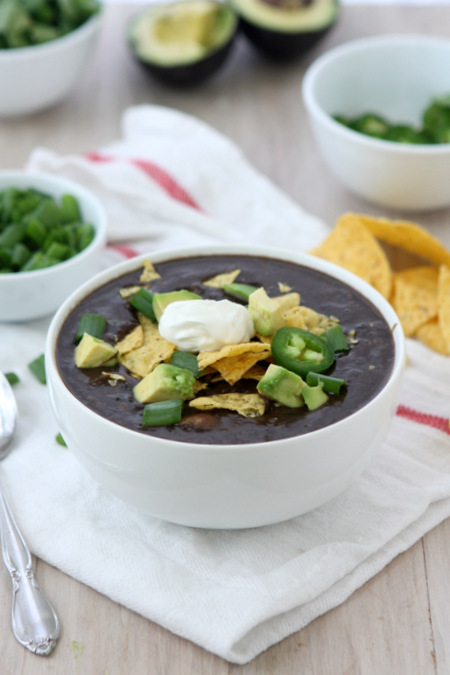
pixel 34 621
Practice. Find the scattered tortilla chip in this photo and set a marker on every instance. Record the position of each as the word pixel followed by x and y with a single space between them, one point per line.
pixel 155 349
pixel 288 300
pixel 128 291
pixel 256 372
pixel 408 236
pixel 444 303
pixel 431 335
pixel 233 368
pixel 284 288
pixel 131 341
pixel 208 358
pixel 148 273
pixel 308 319
pixel 352 246
pixel 220 280
pixel 247 405
pixel 415 297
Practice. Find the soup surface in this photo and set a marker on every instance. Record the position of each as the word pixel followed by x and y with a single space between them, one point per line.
pixel 366 366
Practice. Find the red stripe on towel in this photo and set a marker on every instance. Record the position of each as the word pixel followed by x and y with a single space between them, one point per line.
pixel 153 171
pixel 424 418
pixel 124 250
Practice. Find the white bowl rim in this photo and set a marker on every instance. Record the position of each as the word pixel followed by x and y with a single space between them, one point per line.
pixel 358 45
pixel 33 51
pixel 83 195
pixel 326 267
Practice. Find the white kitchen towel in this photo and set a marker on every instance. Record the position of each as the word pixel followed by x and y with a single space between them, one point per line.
pixel 235 593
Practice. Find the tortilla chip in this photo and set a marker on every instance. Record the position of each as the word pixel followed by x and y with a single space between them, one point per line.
pixel 131 341
pixel 352 246
pixel 408 236
pixel 415 297
pixel 308 319
pixel 431 335
pixel 284 288
pixel 155 349
pixel 233 368
pixel 444 303
pixel 220 280
pixel 288 300
pixel 128 291
pixel 148 273
pixel 247 405
pixel 208 358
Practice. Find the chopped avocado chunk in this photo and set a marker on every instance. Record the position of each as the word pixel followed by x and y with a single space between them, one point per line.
pixel 92 352
pixel 282 385
pixel 314 396
pixel 164 383
pixel 266 313
pixel 161 300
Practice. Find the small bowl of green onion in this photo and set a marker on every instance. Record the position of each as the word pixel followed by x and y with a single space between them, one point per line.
pixel 52 232
pixel 45 48
pixel 379 109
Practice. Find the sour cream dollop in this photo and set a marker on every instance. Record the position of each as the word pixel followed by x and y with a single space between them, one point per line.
pixel 205 325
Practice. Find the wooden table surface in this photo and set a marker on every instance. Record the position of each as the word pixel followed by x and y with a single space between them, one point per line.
pixel 399 622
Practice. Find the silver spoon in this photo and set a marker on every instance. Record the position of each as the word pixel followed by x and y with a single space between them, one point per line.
pixel 34 621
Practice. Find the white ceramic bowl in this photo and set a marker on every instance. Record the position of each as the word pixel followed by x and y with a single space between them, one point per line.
pixel 31 295
pixel 37 77
pixel 396 76
pixel 224 486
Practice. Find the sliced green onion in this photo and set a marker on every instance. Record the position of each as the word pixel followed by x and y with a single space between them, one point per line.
pixel 162 413
pixel 336 339
pixel 93 324
pixel 12 378
pixel 241 291
pixel 37 367
pixel 143 302
pixel 60 440
pixel 332 385
pixel 185 360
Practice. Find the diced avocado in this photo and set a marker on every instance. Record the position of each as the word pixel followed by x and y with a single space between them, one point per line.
pixel 266 313
pixel 282 385
pixel 92 352
pixel 164 383
pixel 314 396
pixel 161 300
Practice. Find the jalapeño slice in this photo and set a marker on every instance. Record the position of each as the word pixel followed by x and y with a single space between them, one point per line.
pixel 300 351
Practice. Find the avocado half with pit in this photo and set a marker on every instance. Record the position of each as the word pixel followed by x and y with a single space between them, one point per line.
pixel 183 43
pixel 285 29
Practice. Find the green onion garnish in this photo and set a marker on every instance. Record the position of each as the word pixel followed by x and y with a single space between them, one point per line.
pixel 37 367
pixel 93 324
pixel 143 302
pixel 60 440
pixel 332 385
pixel 241 291
pixel 185 360
pixel 162 413
pixel 12 378
pixel 336 339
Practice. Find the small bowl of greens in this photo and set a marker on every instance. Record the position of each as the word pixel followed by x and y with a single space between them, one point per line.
pixel 45 46
pixel 52 232
pixel 380 112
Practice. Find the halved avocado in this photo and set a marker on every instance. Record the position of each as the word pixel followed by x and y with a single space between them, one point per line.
pixel 183 43
pixel 285 29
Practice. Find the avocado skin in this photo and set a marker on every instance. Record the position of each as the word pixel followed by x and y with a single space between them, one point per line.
pixel 280 46
pixel 190 74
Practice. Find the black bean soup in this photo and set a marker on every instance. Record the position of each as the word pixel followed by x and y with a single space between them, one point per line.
pixel 366 367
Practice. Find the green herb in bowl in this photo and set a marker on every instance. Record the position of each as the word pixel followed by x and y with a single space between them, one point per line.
pixel 24 23
pixel 37 231
pixel 435 125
